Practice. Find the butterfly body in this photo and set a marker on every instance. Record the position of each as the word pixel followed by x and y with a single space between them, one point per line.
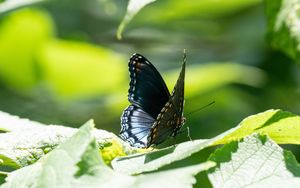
pixel 154 113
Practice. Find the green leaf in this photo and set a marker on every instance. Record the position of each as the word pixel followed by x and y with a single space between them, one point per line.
pixel 257 161
pixel 282 127
pixel 20 148
pixel 105 177
pixel 36 27
pixel 133 7
pixel 177 178
pixel 55 63
pixel 9 123
pixel 29 141
pixel 62 62
pixel 50 171
pixel 201 78
pixel 169 11
pixel 138 163
pixel 172 11
pixel 77 163
pixel 283 26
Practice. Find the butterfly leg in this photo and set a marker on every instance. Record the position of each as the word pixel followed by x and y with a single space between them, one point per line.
pixel 188 133
pixel 187 129
pixel 174 141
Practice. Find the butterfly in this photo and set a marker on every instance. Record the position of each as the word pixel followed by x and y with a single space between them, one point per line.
pixel 154 114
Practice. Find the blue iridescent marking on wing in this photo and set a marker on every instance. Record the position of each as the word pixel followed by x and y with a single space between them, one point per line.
pixel 135 126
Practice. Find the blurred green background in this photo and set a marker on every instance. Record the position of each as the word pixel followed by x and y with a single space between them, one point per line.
pixel 61 63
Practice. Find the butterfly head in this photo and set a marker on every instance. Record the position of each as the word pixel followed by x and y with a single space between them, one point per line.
pixel 183 119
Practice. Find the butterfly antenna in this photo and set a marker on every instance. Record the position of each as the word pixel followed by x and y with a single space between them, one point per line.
pixel 200 108
pixel 184 55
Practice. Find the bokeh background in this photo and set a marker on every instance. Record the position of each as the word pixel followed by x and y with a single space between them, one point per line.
pixel 61 63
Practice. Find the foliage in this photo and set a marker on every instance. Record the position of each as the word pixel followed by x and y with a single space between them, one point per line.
pixel 281 126
pixel 283 29
pixel 79 157
pixel 65 63
pixel 133 8
pixel 255 161
pixel 271 119
pixel 76 162
pixel 24 141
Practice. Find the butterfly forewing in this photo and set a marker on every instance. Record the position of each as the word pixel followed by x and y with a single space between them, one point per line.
pixel 169 120
pixel 177 95
pixel 135 126
pixel 147 88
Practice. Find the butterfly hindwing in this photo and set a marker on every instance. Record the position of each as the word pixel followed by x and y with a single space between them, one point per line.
pixel 147 88
pixel 170 119
pixel 135 126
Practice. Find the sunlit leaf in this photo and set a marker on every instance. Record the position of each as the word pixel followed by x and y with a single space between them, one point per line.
pixel 45 172
pixel 138 163
pixel 283 26
pixel 256 161
pixel 75 69
pixel 133 7
pixel 282 127
pixel 9 123
pixel 176 10
pixel 71 69
pixel 202 78
pixel 20 148
pixel 77 163
pixel 29 141
pixel 20 71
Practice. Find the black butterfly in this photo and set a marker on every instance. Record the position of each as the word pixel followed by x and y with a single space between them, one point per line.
pixel 154 114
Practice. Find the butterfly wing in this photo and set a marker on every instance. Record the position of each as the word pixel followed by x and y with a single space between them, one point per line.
pixel 135 126
pixel 147 88
pixel 169 120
